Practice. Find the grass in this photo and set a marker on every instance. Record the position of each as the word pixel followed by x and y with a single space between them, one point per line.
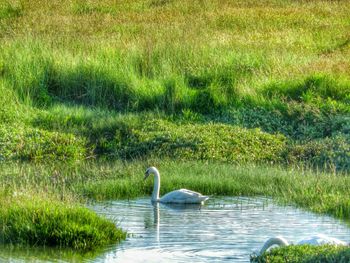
pixel 316 191
pixel 54 217
pixel 217 85
pixel 305 253
pixel 19 143
pixel 223 67
pixel 37 219
pixel 9 10
pixel 45 222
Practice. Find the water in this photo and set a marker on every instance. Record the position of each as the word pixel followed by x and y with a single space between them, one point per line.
pixel 223 230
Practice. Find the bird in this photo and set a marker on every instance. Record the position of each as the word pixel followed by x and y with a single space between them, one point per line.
pixel 316 240
pixel 181 196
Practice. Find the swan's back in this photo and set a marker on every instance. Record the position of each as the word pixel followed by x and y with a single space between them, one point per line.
pixel 183 196
pixel 321 240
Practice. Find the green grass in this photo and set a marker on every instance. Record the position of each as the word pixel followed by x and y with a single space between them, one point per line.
pixel 319 192
pixel 305 254
pixel 43 221
pixel 19 143
pixel 222 67
pixel 55 218
pixel 8 10
pixel 210 84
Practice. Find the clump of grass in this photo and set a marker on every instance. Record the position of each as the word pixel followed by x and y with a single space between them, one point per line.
pixel 11 109
pixel 131 136
pixel 45 253
pixel 199 142
pixel 329 153
pixel 82 7
pixel 9 10
pixel 159 3
pixel 191 135
pixel 305 254
pixel 79 7
pixel 314 89
pixel 30 144
pixel 35 221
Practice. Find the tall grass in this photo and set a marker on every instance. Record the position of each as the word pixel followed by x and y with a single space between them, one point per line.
pixel 86 79
pixel 316 191
pixel 133 80
pixel 280 66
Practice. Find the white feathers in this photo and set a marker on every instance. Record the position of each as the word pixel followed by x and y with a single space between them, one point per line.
pixel 182 196
pixel 316 240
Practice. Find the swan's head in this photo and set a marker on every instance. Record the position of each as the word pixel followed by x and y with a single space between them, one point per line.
pixel 149 171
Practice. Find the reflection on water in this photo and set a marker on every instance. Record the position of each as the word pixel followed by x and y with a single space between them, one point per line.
pixel 223 230
pixel 20 254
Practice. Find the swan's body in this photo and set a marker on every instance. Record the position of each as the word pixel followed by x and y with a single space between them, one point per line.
pixel 182 196
pixel 273 241
pixel 314 240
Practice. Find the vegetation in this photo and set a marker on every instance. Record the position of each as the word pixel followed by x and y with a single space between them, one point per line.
pixel 22 143
pixel 305 254
pixel 320 192
pixel 218 82
pixel 38 221
pixel 218 66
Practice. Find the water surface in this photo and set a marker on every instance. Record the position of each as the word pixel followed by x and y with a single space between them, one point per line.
pixel 225 229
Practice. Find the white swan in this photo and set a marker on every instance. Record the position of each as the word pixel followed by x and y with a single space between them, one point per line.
pixel 182 196
pixel 314 240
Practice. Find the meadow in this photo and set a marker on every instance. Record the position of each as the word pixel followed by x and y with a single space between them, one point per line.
pixel 98 90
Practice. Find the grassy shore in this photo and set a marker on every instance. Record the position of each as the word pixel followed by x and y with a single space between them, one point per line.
pixel 305 254
pixel 55 215
pixel 319 192
pixel 245 91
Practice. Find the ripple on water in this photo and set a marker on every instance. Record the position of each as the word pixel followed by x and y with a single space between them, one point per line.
pixel 225 229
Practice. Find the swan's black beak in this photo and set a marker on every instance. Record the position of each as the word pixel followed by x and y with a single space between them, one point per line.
pixel 146 175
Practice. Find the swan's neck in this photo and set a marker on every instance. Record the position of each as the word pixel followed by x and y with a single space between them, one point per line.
pixel 155 194
pixel 279 241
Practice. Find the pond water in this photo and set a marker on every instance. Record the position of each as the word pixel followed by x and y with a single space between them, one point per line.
pixel 226 229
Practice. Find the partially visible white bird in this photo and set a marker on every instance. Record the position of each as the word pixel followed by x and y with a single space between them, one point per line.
pixel 314 240
pixel 182 196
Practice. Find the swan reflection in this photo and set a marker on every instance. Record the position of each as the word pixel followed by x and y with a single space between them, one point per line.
pixel 167 209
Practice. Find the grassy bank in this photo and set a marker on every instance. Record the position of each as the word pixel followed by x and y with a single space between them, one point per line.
pixel 319 192
pixel 248 83
pixel 36 218
pixel 305 254
pixel 54 216
pixel 43 223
